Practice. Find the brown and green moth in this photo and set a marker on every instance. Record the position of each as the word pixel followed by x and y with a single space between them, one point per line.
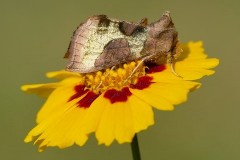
pixel 102 42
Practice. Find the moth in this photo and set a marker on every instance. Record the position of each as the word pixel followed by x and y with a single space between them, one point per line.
pixel 103 42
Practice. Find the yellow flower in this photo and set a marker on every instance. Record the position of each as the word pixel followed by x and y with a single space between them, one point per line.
pixel 110 104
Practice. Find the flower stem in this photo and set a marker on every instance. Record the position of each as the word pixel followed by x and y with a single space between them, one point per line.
pixel 135 148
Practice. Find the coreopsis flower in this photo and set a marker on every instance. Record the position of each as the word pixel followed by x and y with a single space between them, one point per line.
pixel 109 103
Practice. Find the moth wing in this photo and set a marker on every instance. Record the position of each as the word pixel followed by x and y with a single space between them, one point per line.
pixel 129 29
pixel 143 22
pixel 116 52
pixel 67 54
pixel 77 47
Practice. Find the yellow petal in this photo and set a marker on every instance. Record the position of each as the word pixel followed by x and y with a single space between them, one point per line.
pixel 124 128
pixel 153 99
pixel 192 64
pixel 105 130
pixel 43 125
pixel 63 128
pixel 121 120
pixel 62 74
pixel 58 99
pixel 116 123
pixel 43 90
pixel 192 50
pixel 166 94
pixel 142 114
pixel 95 112
pixel 195 69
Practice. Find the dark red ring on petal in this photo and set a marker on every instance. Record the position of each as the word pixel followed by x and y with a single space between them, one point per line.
pixel 87 100
pixel 80 90
pixel 117 96
pixel 143 82
pixel 153 68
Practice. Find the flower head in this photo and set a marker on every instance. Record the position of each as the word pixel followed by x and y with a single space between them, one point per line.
pixel 115 104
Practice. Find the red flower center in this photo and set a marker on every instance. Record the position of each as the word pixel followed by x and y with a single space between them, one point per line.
pixel 117 96
pixel 87 100
pixel 80 90
pixel 143 82
pixel 153 68
pixel 115 79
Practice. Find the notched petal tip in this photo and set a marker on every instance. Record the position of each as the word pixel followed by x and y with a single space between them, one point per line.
pixel 28 139
pixel 196 86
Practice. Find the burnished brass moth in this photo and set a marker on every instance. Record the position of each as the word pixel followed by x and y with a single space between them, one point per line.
pixel 102 42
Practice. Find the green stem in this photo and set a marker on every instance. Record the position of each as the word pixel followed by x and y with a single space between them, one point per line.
pixel 135 148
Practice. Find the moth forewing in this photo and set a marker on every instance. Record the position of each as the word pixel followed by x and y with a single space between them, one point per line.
pixel 101 42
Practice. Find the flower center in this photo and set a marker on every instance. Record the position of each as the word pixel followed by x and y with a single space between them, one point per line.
pixel 125 75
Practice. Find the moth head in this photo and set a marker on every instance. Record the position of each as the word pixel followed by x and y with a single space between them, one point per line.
pixel 163 32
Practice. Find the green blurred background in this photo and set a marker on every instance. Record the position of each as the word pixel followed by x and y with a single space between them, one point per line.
pixel 36 34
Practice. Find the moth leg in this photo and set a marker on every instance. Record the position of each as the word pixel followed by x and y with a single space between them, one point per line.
pixel 112 68
pixel 136 68
pixel 170 60
pixel 133 71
